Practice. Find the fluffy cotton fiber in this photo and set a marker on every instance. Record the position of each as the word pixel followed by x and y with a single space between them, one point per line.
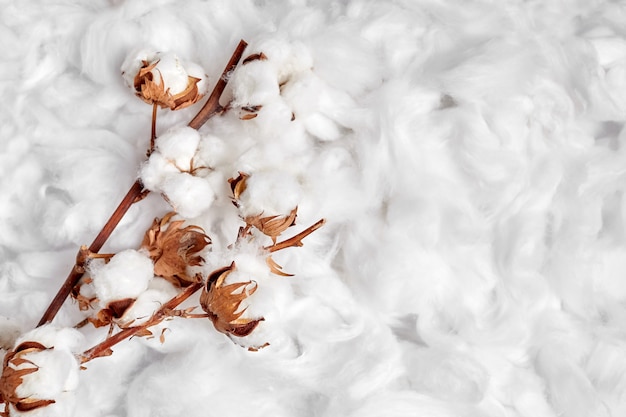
pixel 126 275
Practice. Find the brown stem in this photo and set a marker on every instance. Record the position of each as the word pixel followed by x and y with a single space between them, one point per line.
pixel 78 269
pixel 103 349
pixel 210 108
pixel 153 130
pixel 297 239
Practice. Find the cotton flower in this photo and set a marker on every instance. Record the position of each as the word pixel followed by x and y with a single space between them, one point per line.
pixel 163 79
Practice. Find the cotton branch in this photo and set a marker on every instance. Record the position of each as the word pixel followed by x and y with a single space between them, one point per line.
pixel 104 348
pixel 297 239
pixel 210 109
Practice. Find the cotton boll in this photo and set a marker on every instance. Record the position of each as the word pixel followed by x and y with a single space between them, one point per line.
pixel 126 275
pixel 155 171
pixel 58 372
pixel 51 351
pixel 254 84
pixel 158 292
pixel 285 56
pixel 179 145
pixel 270 193
pixel 169 70
pixel 189 195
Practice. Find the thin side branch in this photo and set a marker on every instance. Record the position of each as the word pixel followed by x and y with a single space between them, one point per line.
pixel 136 191
pixel 104 348
pixel 297 239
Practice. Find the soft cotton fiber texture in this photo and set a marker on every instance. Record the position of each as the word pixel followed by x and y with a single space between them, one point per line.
pixel 469 157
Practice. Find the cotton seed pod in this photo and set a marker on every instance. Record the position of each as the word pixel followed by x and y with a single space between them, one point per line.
pixel 173 248
pixel 271 226
pixel 162 79
pixel 15 367
pixel 222 303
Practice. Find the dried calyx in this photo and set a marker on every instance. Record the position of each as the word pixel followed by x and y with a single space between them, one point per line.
pixel 222 302
pixel 16 366
pixel 173 248
pixel 162 79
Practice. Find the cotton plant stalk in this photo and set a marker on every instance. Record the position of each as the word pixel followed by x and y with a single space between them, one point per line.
pixel 136 191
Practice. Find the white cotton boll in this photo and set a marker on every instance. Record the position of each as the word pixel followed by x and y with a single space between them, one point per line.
pixel 171 71
pixel 149 301
pixel 58 372
pixel 127 275
pixel 155 171
pixel 179 145
pixel 254 83
pixel 287 57
pixel 270 193
pixel 189 196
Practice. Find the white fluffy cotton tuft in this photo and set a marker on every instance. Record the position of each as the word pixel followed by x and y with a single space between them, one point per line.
pixel 179 145
pixel 126 275
pixel 188 195
pixel 270 193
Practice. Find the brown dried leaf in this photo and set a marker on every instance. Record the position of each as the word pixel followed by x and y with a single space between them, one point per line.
pixel 173 248
pixel 221 302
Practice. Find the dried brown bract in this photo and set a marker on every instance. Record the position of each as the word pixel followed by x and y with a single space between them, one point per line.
pixel 173 248
pixel 156 92
pixel 14 368
pixel 222 303
pixel 272 226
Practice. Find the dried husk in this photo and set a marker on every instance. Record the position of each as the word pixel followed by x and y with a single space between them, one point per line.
pixel 221 302
pixel 152 92
pixel 173 248
pixel 12 378
pixel 272 226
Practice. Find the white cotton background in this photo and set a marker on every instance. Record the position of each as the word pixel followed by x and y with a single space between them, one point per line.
pixel 468 157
